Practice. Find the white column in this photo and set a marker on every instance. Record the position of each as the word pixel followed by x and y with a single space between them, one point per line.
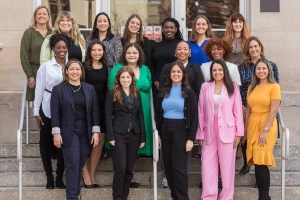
pixel 103 6
pixel 180 16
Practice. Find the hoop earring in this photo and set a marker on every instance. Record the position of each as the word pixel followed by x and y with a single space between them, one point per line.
pixel 175 55
pixel 190 55
pixel 261 53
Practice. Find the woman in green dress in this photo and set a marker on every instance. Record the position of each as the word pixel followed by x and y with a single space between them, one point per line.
pixel 133 56
pixel 31 42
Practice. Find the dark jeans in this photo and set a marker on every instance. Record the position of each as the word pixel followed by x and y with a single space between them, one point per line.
pixel 75 156
pixel 123 155
pixel 174 138
pixel 46 144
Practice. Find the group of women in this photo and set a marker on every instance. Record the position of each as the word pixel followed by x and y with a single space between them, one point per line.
pixel 88 91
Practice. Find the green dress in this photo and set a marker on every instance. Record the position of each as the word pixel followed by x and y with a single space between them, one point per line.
pixel 143 85
pixel 31 43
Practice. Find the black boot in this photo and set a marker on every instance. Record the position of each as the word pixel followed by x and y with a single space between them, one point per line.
pixel 59 183
pixel 50 182
pixel 265 195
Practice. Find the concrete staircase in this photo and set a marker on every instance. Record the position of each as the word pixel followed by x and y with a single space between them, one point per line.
pixel 34 178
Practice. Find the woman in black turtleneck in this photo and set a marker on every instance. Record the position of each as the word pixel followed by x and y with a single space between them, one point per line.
pixel 163 52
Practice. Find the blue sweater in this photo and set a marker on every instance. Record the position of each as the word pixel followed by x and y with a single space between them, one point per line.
pixel 198 55
pixel 173 105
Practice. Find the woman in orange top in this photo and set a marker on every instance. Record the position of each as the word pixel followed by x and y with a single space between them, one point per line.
pixel 263 100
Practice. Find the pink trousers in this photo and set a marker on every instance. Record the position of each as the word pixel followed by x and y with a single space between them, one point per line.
pixel 215 154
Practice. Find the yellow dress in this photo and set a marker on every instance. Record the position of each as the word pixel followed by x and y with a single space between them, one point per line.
pixel 259 101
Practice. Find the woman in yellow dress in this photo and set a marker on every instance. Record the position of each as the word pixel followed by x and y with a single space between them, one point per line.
pixel 263 100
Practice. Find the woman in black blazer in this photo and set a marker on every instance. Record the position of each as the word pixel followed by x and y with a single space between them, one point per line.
pixel 125 129
pixel 177 122
pixel 75 122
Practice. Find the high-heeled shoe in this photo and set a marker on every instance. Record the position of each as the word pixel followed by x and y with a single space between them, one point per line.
pixel 87 186
pixel 59 183
pixel 97 185
pixel 50 182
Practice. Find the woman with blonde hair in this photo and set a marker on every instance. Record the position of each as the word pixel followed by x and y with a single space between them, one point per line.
pixel 201 33
pixel 66 23
pixel 238 32
pixel 31 42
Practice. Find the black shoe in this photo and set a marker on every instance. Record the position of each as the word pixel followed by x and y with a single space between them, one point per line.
pixel 134 185
pixel 87 186
pixel 104 154
pixel 59 183
pixel 97 185
pixel 220 186
pixel 50 182
pixel 245 169
pixel 200 184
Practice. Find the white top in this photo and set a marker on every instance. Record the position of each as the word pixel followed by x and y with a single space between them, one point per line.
pixel 232 68
pixel 49 75
pixel 216 103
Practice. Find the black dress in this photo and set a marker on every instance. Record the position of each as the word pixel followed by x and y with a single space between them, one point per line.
pixel 98 78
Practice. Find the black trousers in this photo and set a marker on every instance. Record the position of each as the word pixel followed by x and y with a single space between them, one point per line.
pixel 244 148
pixel 123 155
pixel 46 144
pixel 174 138
pixel 75 156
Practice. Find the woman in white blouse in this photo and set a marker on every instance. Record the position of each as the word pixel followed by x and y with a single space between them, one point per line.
pixel 48 76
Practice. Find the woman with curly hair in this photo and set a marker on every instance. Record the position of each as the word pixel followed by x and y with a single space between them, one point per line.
pixel 133 32
pixel 125 128
pixel 96 74
pixel 200 35
pixel 238 32
pixel 177 121
pixel 48 76
pixel 102 31
pixel 220 128
pixel 66 23
pixel 220 49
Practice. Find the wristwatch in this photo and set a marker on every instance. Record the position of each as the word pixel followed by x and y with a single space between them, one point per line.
pixel 266 129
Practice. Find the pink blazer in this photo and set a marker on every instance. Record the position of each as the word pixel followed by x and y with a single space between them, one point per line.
pixel 230 114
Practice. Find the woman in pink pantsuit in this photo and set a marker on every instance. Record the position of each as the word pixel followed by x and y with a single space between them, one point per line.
pixel 220 128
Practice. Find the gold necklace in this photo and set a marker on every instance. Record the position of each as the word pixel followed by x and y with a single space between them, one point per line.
pixel 216 88
pixel 75 90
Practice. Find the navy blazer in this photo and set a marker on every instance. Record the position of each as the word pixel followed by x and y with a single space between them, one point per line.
pixel 63 111
pixel 195 77
pixel 118 116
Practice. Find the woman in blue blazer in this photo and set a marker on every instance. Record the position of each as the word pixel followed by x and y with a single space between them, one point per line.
pixel 75 122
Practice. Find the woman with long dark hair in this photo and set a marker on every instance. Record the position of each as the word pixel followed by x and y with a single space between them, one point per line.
pixel 75 122
pixel 177 121
pixel 102 31
pixel 133 33
pixel 125 129
pixel 96 74
pixel 220 128
pixel 263 100
pixel 48 76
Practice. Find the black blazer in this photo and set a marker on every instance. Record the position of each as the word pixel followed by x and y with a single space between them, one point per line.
pixel 195 76
pixel 63 111
pixel 190 114
pixel 118 116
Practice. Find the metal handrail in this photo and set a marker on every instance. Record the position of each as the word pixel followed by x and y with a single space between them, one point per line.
pixel 285 151
pixel 19 135
pixel 155 148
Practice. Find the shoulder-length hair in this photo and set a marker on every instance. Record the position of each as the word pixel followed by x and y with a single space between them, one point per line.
pixel 255 80
pixel 33 22
pixel 178 34
pixel 65 75
pixel 185 87
pixel 246 56
pixel 141 59
pixel 194 35
pixel 95 31
pixel 227 79
pixel 74 32
pixel 229 33
pixel 139 35
pixel 88 64
pixel 221 43
pixel 118 87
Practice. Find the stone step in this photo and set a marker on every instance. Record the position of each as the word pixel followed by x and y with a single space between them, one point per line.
pixel 32 150
pixel 38 179
pixel 141 193
pixel 141 164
